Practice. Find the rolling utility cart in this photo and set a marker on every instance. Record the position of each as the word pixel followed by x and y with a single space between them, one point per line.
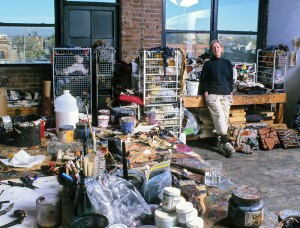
pixel 271 68
pixel 72 70
pixel 160 81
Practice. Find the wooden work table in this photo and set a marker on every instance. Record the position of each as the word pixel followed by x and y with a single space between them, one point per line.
pixel 245 99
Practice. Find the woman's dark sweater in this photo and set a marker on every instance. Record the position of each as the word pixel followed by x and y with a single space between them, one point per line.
pixel 217 77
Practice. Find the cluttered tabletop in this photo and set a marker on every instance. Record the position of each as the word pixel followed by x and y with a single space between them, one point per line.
pixel 114 177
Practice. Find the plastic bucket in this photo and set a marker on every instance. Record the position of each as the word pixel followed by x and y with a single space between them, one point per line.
pixel 104 112
pixel 150 118
pixel 192 88
pixel 103 121
pixel 43 124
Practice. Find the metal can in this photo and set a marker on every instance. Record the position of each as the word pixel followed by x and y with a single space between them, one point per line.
pixel 245 207
pixel 66 133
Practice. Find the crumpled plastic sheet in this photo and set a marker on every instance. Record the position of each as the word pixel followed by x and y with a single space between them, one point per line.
pixel 116 198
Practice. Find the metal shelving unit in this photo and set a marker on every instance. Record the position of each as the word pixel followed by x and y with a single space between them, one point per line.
pixel 271 68
pixel 105 60
pixel 161 85
pixel 72 70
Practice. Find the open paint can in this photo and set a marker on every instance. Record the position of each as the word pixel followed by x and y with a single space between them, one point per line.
pixel 127 124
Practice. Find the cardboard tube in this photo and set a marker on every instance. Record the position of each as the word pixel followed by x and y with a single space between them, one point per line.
pixel 47 88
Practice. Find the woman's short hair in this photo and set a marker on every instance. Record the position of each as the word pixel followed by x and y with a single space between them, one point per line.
pixel 212 43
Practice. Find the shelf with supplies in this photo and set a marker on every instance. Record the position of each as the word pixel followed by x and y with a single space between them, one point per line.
pixel 160 83
pixel 271 68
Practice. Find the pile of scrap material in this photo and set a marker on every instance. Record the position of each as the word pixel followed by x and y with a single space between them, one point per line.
pixel 288 219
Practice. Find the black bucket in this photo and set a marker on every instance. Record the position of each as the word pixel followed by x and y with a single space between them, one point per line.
pixel 27 132
pixel 90 220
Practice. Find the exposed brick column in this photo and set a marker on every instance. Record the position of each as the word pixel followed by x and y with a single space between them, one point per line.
pixel 141 26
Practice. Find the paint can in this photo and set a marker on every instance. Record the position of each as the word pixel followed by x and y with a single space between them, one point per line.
pixel 150 118
pixel 103 121
pixel 127 124
pixel 66 133
pixel 171 197
pixel 245 207
pixel 82 130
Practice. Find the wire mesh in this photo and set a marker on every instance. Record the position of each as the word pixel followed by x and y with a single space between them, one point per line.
pixel 72 62
pixel 104 82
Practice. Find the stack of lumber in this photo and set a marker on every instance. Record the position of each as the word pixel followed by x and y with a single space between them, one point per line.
pixel 237 116
pixel 268 116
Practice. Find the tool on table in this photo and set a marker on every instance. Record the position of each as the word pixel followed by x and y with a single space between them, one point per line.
pixel 20 215
pixel 28 182
pixel 199 197
pixel 7 209
pixel 25 183
pixel 2 202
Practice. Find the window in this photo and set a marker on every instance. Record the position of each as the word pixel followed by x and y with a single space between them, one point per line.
pixel 192 24
pixel 27 31
pixel 106 1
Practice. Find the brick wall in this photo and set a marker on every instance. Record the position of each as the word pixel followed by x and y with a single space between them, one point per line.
pixel 25 79
pixel 141 26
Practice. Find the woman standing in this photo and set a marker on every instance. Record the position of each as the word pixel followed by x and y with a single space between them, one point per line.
pixel 216 86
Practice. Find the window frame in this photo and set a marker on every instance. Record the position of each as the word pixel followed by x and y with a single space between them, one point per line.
pixel 57 14
pixel 261 32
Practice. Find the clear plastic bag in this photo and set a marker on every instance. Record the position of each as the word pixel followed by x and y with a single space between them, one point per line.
pixel 158 178
pixel 116 198
pixel 191 126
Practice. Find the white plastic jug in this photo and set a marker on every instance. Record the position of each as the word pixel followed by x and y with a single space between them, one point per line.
pixel 66 110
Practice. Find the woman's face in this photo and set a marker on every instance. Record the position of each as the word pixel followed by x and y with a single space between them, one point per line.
pixel 217 49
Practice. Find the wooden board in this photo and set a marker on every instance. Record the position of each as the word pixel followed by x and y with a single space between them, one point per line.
pixel 238 99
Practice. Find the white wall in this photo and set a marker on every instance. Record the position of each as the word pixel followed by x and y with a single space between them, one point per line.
pixel 283 26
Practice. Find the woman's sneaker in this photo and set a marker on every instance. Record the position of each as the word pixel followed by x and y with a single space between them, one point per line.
pixel 229 149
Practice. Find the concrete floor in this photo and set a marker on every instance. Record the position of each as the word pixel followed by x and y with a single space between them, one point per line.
pixel 275 173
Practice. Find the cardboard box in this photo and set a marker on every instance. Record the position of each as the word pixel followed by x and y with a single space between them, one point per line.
pixel 3 101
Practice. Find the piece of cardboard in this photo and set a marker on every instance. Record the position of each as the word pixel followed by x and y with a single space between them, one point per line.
pixel 3 101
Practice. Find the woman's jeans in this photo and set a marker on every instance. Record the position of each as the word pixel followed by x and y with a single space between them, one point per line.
pixel 219 107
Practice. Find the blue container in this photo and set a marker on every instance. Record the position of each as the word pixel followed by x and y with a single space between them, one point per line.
pixel 127 124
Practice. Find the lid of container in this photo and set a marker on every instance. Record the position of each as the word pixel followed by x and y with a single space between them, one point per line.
pixel 172 191
pixel 66 127
pixel 164 216
pixel 81 125
pixel 128 112
pixel 147 226
pixel 118 225
pixel 117 110
pixel 195 223
pixel 246 195
pixel 184 207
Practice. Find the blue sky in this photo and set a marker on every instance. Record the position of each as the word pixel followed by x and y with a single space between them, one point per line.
pixel 239 15
pixel 27 11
